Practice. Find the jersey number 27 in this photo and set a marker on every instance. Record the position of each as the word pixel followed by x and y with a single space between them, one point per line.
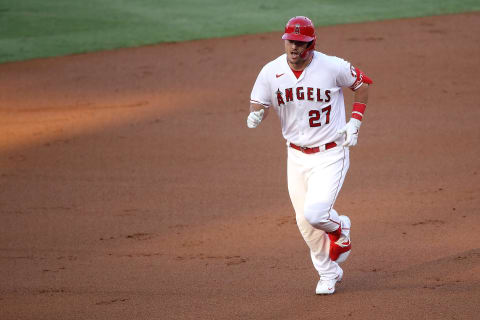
pixel 315 116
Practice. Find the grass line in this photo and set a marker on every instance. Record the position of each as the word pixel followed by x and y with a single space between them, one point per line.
pixel 32 28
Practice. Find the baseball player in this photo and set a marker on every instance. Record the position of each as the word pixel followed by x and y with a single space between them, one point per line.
pixel 304 87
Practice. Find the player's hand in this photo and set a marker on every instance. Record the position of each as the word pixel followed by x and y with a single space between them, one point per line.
pixel 254 118
pixel 350 130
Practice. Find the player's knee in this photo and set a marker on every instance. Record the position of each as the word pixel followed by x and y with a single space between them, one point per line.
pixel 316 213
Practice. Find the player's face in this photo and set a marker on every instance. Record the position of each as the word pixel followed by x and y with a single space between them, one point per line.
pixel 294 49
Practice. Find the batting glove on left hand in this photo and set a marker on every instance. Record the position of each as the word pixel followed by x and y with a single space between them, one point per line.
pixel 254 118
pixel 350 130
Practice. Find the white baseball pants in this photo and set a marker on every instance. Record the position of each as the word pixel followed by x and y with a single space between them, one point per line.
pixel 314 181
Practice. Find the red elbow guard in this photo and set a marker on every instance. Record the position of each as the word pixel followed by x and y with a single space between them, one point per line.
pixel 361 78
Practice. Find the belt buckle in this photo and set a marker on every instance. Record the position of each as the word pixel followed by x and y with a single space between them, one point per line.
pixel 304 149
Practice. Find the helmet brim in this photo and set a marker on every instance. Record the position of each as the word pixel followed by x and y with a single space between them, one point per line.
pixel 297 37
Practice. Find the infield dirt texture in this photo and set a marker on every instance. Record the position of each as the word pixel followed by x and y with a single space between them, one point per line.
pixel 131 187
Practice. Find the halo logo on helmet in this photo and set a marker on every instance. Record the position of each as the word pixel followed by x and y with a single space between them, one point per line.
pixel 301 29
pixel 297 29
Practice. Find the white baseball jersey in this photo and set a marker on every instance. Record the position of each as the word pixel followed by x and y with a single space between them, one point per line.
pixel 311 108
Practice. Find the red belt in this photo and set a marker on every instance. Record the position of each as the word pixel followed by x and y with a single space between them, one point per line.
pixel 327 146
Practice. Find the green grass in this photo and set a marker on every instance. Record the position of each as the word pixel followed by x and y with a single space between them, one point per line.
pixel 43 28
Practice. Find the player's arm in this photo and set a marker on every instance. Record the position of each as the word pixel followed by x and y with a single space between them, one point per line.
pixel 360 87
pixel 260 100
pixel 361 94
pixel 258 113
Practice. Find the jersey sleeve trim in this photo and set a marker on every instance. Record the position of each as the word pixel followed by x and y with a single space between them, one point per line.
pixel 266 105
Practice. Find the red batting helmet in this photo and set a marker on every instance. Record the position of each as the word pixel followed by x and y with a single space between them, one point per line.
pixel 301 29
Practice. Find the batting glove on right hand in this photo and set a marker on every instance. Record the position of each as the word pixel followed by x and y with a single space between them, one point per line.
pixel 350 130
pixel 254 118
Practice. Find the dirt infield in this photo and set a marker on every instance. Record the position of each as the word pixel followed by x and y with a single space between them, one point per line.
pixel 131 187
